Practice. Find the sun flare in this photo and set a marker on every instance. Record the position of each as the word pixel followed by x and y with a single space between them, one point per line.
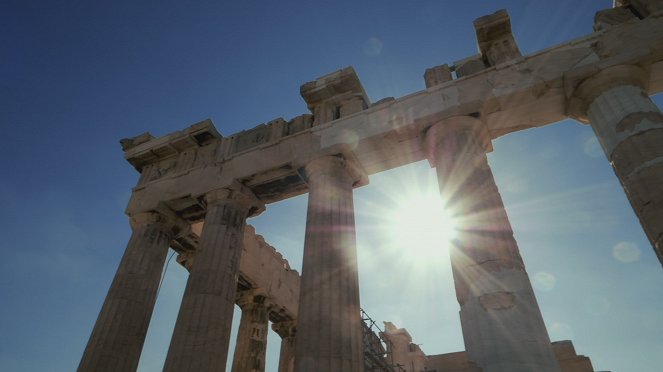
pixel 421 226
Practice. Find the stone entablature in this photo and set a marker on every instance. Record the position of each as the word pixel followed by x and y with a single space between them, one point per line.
pixel 513 95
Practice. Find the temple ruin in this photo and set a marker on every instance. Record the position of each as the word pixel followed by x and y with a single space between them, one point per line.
pixel 198 187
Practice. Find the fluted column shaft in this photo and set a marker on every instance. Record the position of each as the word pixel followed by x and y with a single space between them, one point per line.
pixel 119 333
pixel 202 331
pixel 502 325
pixel 629 127
pixel 287 331
pixel 252 334
pixel 329 337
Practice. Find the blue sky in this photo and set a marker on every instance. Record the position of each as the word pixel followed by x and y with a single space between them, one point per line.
pixel 76 76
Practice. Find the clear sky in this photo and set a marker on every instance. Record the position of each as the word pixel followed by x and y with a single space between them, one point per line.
pixel 77 76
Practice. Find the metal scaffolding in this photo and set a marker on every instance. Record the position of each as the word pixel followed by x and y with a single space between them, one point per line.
pixel 376 356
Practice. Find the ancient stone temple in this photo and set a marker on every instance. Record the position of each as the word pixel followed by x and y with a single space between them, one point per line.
pixel 197 188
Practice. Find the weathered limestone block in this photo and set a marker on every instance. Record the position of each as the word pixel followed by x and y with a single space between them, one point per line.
pixel 402 352
pixel 452 362
pixel 299 124
pixel 329 333
pixel 609 17
pixel 252 334
pixel 469 66
pixel 495 38
pixel 117 339
pixel 569 361
pixel 325 112
pixel 202 331
pixel 565 353
pixel 145 149
pixel 335 95
pixel 502 325
pixel 437 75
pixel 643 8
pixel 251 138
pixel 351 106
pixel 128 143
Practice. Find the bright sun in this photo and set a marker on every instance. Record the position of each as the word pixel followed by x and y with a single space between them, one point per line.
pixel 421 226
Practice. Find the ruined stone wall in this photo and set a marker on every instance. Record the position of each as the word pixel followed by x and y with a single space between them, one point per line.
pixel 565 353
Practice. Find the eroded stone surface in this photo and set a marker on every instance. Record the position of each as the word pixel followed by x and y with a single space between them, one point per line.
pixel 407 354
pixel 497 301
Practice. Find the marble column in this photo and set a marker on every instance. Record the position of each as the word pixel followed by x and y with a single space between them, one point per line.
pixel 287 330
pixel 629 127
pixel 329 334
pixel 118 335
pixel 202 331
pixel 502 325
pixel 252 334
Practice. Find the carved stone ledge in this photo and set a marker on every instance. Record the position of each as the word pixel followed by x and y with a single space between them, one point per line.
pixel 145 149
pixel 437 75
pixel 495 38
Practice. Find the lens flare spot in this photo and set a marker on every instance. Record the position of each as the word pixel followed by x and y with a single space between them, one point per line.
pixel 373 47
pixel 561 331
pixel 517 185
pixel 626 252
pixel 349 137
pixel 592 148
pixel 544 281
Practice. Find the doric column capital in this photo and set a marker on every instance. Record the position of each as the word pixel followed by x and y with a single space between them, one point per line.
pixel 323 165
pixel 146 218
pixel 186 259
pixel 171 224
pixel 286 328
pixel 252 297
pixel 589 89
pixel 238 194
pixel 468 130
pixel 334 164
